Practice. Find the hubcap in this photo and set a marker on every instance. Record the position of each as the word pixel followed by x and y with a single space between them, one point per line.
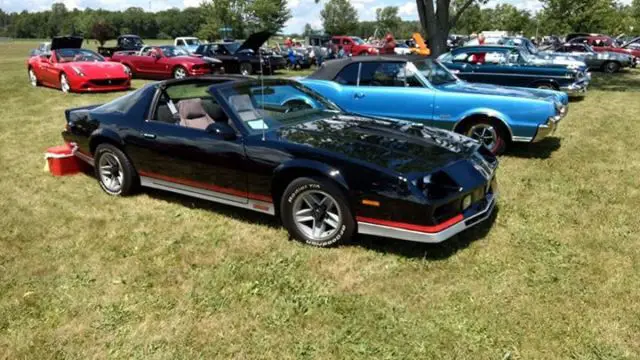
pixel 64 84
pixel 245 70
pixel 32 78
pixel 317 215
pixel 484 133
pixel 111 175
pixel 180 73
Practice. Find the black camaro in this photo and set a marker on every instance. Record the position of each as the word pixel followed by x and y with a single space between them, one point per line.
pixel 327 174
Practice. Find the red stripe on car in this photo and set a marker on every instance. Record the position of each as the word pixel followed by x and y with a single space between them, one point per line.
pixel 413 227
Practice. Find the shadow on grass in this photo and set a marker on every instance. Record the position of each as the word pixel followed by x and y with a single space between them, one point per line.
pixel 434 252
pixel 626 80
pixel 540 150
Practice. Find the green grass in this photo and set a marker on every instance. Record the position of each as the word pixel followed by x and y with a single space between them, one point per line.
pixel 157 276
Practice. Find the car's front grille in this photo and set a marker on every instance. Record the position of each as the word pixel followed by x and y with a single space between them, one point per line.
pixel 109 82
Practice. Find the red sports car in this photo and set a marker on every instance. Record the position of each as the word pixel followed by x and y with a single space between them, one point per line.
pixel 72 69
pixel 165 62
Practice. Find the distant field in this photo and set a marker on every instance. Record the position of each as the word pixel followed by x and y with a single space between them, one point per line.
pixel 160 276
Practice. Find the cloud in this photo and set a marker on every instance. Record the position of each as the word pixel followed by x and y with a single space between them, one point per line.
pixel 408 9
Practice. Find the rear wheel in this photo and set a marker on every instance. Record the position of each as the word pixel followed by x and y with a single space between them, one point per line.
pixel 33 79
pixel 489 133
pixel 316 212
pixel 115 173
pixel 246 69
pixel 64 84
pixel 611 67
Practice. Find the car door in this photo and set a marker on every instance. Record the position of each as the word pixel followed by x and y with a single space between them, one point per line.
pixel 143 61
pixel 189 160
pixel 496 68
pixel 43 69
pixel 386 89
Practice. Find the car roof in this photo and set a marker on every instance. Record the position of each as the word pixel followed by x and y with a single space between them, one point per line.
pixel 226 78
pixel 331 68
pixel 485 47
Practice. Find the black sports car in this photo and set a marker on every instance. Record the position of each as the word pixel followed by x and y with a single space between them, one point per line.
pixel 327 174
pixel 243 58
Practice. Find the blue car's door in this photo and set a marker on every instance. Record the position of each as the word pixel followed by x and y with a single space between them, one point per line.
pixel 386 89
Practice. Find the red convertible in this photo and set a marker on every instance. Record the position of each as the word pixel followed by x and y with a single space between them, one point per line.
pixel 165 62
pixel 72 69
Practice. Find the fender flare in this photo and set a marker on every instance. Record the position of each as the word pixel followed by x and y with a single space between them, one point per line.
pixel 488 113
pixel 312 167
pixel 546 81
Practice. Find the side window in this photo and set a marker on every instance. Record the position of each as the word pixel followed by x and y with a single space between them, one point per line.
pixel 348 75
pixel 461 57
pixel 180 43
pixel 335 41
pixel 346 42
pixel 382 74
pixel 577 48
pixel 146 51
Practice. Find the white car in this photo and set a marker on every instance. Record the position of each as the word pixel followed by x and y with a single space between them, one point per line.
pixel 188 43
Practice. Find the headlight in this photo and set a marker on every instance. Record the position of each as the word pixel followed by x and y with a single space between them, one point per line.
pixel 77 71
pixel 466 202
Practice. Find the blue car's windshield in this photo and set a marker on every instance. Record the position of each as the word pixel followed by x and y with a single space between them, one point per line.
pixel 435 72
pixel 272 106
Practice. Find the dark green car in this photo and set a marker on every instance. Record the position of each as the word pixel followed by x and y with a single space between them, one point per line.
pixel 509 66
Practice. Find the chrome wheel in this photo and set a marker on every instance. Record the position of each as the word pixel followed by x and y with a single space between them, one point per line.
pixel 180 73
pixel 111 175
pixel 317 215
pixel 32 78
pixel 246 69
pixel 484 133
pixel 64 83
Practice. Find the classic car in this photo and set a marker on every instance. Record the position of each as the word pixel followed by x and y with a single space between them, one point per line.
pixel 327 174
pixel 124 43
pixel 353 45
pixel 44 48
pixel 509 66
pixel 421 90
pixel 244 58
pixel 535 57
pixel 608 62
pixel 165 62
pixel 72 69
pixel 301 57
pixel 632 48
pixel 188 43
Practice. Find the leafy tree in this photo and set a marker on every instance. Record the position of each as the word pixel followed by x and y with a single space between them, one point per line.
pixel 388 19
pixel 339 17
pixel 270 15
pixel 102 31
pixel 309 30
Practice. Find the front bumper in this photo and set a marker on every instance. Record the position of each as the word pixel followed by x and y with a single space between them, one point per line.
pixel 576 90
pixel 454 226
pixel 100 85
pixel 546 129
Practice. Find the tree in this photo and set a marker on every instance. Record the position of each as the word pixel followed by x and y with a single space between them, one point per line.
pixel 339 17
pixel 438 17
pixel 578 16
pixel 388 19
pixel 309 31
pixel 102 31
pixel 270 15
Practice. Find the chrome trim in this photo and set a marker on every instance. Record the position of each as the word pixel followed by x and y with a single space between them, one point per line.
pixel 521 139
pixel 483 113
pixel 395 233
pixel 576 89
pixel 518 75
pixel 241 202
pixel 546 129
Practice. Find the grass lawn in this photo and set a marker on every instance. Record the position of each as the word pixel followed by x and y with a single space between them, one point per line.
pixel 157 276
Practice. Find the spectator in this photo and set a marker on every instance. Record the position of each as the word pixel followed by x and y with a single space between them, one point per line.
pixel 288 43
pixel 479 58
pixel 341 52
pixel 389 45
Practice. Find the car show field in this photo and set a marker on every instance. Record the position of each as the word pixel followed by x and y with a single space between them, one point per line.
pixel 553 274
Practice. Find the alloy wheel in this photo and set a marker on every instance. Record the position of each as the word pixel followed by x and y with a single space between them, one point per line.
pixel 64 84
pixel 111 175
pixel 32 78
pixel 180 73
pixel 484 133
pixel 317 215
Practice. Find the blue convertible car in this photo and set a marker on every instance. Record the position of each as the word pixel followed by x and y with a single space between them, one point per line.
pixel 422 90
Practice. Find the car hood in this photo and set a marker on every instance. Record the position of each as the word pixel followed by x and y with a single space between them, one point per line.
pixel 66 42
pixel 101 69
pixel 399 146
pixel 488 89
pixel 255 41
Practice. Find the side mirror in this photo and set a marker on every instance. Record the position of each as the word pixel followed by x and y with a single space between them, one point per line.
pixel 222 130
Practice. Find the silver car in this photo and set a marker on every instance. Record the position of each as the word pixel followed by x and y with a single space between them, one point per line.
pixel 608 62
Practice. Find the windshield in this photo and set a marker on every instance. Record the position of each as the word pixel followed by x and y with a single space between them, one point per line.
pixel 131 41
pixel 357 40
pixel 171 51
pixel 276 105
pixel 435 72
pixel 232 47
pixel 513 57
pixel 77 55
pixel 192 41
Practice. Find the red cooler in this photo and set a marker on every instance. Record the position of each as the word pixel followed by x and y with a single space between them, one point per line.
pixel 61 160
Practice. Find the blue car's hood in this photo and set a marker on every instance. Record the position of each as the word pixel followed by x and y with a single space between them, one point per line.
pixel 488 89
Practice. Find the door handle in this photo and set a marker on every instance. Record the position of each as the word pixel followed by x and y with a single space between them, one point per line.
pixel 358 95
pixel 149 136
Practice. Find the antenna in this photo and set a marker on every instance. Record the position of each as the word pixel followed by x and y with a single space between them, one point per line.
pixel 264 125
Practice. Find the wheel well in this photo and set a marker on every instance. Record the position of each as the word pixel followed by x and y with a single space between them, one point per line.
pixel 97 140
pixel 178 66
pixel 473 118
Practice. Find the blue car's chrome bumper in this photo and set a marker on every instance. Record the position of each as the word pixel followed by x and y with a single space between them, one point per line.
pixel 576 89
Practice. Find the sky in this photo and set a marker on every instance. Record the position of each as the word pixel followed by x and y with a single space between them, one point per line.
pixel 303 11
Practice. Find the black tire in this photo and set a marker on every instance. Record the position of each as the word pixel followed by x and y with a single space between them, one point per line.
pixel 502 137
pixel 300 187
pixel 130 180
pixel 611 67
pixel 246 68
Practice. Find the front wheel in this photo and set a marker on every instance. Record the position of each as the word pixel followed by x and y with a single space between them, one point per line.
pixel 64 84
pixel 246 69
pixel 611 67
pixel 488 133
pixel 33 79
pixel 179 73
pixel 316 212
pixel 115 173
